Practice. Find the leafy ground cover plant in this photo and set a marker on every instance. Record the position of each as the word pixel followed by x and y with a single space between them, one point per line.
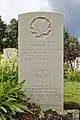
pixel 12 98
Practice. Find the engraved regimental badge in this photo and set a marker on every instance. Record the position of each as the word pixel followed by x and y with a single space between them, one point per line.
pixel 40 27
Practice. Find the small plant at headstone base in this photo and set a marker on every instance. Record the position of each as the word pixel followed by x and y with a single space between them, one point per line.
pixel 12 98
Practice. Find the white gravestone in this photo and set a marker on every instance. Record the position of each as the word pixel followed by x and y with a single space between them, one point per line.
pixel 77 61
pixel 9 53
pixel 40 46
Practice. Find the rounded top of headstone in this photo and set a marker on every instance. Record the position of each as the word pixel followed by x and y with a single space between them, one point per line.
pixel 49 12
pixel 9 49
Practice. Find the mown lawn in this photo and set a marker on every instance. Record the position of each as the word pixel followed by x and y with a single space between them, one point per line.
pixel 72 92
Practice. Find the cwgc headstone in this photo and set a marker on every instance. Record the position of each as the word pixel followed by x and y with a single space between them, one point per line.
pixel 9 53
pixel 40 46
pixel 77 64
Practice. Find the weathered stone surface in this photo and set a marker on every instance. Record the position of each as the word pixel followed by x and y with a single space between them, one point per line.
pixel 41 57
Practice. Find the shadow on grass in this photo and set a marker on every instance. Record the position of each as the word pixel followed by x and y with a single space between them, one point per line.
pixel 71 105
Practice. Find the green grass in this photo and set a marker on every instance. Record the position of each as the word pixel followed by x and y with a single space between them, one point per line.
pixel 72 92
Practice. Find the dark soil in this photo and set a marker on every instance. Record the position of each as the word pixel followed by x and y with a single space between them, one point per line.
pixel 47 115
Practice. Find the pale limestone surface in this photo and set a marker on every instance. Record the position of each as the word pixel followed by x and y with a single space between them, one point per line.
pixel 40 44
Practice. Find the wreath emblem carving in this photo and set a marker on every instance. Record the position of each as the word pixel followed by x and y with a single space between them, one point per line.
pixel 40 27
